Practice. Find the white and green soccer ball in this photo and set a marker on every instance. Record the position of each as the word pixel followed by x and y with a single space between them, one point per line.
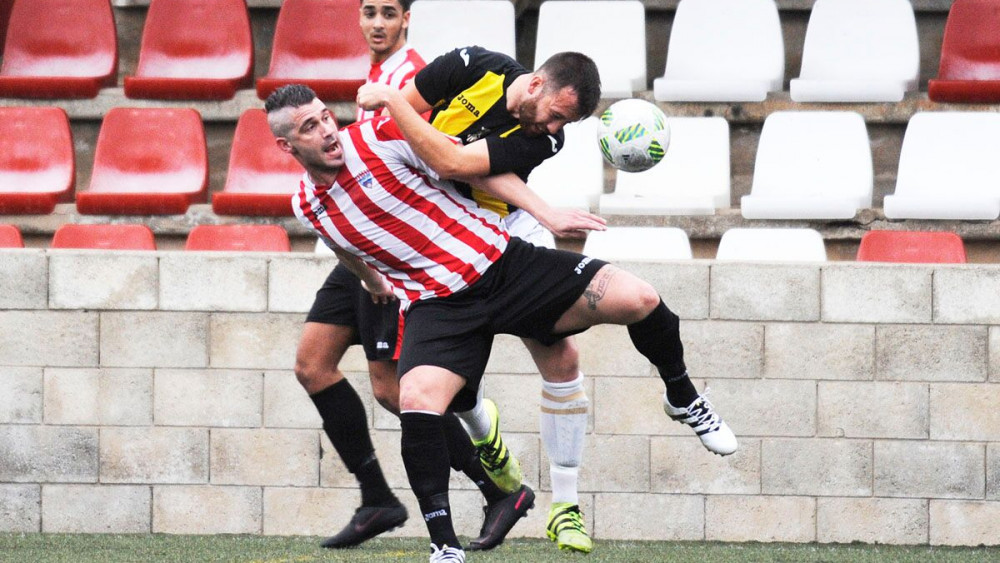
pixel 633 135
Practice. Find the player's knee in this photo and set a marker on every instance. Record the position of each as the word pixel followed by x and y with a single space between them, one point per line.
pixel 563 363
pixel 387 396
pixel 315 377
pixel 644 300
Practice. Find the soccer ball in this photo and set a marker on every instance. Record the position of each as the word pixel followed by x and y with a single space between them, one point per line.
pixel 633 135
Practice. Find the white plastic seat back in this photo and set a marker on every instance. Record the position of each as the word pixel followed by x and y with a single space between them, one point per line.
pixel 322 248
pixel 772 245
pixel 723 51
pixel 692 179
pixel 811 165
pixel 859 51
pixel 638 244
pixel 611 32
pixel 438 26
pixel 948 168
pixel 573 178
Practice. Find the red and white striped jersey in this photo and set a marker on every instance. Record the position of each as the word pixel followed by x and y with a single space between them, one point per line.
pixel 388 208
pixel 396 71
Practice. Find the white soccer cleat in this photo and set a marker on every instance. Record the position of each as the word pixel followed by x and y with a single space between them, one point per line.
pixel 714 433
pixel 445 554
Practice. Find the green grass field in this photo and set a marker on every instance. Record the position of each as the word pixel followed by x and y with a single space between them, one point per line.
pixel 71 548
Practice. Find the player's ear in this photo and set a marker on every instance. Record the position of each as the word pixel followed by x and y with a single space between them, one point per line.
pixel 536 84
pixel 406 20
pixel 284 145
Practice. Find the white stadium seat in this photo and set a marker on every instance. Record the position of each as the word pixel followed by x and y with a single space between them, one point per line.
pixel 612 32
pixel 638 244
pixel 811 165
pixel 859 51
pixel 436 27
pixel 573 178
pixel 948 168
pixel 723 51
pixel 772 245
pixel 692 179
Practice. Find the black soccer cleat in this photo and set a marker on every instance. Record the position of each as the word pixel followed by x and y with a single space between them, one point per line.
pixel 367 522
pixel 501 516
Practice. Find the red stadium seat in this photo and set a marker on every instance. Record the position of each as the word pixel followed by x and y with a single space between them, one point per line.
pixel 104 237
pixel 37 166
pixel 316 42
pixel 148 161
pixel 59 49
pixel 238 238
pixel 10 237
pixel 181 61
pixel 970 54
pixel 262 178
pixel 911 247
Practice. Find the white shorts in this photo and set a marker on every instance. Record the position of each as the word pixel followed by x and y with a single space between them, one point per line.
pixel 524 226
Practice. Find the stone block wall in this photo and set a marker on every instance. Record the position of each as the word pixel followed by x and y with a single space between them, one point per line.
pixel 153 392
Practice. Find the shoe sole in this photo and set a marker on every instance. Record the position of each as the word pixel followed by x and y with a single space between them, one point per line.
pixel 355 544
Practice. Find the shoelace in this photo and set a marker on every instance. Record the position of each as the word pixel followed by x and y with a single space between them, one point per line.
pixel 569 517
pixel 446 554
pixel 701 413
pixel 493 454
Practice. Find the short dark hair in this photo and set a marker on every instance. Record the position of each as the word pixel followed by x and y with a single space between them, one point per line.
pixel 579 72
pixel 289 96
pixel 404 3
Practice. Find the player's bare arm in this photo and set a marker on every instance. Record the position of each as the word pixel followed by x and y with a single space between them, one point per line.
pixel 448 160
pixel 370 279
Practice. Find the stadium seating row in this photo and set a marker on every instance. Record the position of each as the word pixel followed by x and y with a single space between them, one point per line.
pixel 809 165
pixel 774 245
pixel 148 161
pixel 616 243
pixel 230 238
pixel 719 50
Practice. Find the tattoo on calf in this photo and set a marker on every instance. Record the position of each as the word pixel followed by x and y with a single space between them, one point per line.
pixel 598 286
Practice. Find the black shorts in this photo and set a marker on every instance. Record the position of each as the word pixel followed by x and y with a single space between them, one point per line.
pixel 342 301
pixel 524 293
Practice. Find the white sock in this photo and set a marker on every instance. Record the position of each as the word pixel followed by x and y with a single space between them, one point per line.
pixel 477 420
pixel 563 429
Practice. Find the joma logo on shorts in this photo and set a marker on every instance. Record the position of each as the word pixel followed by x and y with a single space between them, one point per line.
pixel 468 105
pixel 583 264
pixel 435 514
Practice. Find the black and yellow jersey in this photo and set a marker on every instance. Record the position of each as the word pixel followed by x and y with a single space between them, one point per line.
pixel 467 89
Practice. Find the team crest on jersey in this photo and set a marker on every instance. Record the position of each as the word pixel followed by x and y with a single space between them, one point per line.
pixel 365 179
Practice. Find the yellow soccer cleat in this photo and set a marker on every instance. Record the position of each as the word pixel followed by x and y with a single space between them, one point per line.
pixel 499 463
pixel 567 529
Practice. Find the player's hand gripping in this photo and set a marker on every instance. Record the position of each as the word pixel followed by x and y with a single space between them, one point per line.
pixel 571 223
pixel 374 96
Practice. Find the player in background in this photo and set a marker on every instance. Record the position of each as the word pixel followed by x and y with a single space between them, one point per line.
pixel 344 314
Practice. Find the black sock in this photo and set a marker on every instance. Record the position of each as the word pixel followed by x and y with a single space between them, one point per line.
pixel 346 425
pixel 425 455
pixel 464 458
pixel 658 337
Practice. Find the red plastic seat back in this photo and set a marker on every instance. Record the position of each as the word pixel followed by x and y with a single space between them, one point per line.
pixel 37 164
pixel 65 38
pixel 317 41
pixel 971 46
pixel 911 247
pixel 10 237
pixel 147 161
pixel 238 238
pixel 261 177
pixel 104 237
pixel 179 60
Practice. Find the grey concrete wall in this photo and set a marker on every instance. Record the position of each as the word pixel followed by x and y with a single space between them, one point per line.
pixel 137 389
